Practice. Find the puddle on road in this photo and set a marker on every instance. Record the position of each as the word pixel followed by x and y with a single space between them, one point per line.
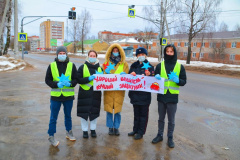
pixel 222 114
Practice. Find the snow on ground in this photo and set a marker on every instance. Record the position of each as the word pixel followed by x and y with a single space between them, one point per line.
pixel 10 63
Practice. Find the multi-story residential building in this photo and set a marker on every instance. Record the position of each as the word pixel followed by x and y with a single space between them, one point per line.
pixel 216 47
pixel 34 43
pixel 109 36
pixel 50 30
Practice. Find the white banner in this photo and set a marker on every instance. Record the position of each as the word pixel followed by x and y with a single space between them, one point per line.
pixel 127 82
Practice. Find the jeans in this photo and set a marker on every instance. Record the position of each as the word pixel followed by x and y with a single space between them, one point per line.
pixel 113 123
pixel 84 124
pixel 55 107
pixel 170 109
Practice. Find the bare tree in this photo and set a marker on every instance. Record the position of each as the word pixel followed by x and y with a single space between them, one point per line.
pixel 8 26
pixel 146 36
pixel 237 27
pixel 74 33
pixel 195 16
pixel 219 50
pixel 84 26
pixel 223 27
pixel 156 14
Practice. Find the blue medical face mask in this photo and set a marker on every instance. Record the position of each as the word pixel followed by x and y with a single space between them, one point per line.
pixel 92 60
pixel 116 54
pixel 141 58
pixel 62 58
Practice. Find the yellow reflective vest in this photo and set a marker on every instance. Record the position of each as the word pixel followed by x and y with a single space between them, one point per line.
pixel 168 84
pixel 65 91
pixel 86 73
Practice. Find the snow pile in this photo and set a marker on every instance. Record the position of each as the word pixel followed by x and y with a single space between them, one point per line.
pixel 10 63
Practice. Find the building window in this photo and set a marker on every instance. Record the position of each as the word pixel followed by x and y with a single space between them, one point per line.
pixel 223 45
pixel 201 55
pixel 203 44
pixel 194 54
pixel 211 45
pixel 186 44
pixel 232 57
pixel 233 44
pixel 179 44
pixel 195 44
pixel 185 54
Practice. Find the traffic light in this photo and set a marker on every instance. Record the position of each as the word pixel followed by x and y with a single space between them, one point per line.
pixel 72 14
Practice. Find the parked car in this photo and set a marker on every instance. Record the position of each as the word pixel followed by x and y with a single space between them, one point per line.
pixel 25 52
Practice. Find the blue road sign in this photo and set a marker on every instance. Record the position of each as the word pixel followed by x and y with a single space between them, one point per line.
pixel 22 37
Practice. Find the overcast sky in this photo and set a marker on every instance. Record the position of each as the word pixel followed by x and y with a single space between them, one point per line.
pixel 112 17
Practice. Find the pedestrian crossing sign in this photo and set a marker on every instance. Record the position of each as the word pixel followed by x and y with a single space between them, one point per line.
pixel 22 37
pixel 163 41
pixel 131 13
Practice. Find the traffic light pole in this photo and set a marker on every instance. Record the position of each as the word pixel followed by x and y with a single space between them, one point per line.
pixel 38 17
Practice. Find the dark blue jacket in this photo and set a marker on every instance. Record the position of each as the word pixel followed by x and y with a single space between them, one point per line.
pixel 140 97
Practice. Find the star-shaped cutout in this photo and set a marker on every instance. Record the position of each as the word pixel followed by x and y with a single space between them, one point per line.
pixel 105 65
pixel 63 78
pixel 172 74
pixel 109 68
pixel 99 72
pixel 146 65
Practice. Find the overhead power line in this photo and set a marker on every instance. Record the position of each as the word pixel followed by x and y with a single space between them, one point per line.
pixel 120 3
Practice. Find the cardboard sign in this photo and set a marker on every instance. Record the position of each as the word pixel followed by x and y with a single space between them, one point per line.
pixel 108 82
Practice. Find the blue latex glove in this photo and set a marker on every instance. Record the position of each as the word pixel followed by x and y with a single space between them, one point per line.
pixel 90 78
pixel 175 79
pixel 67 83
pixel 158 76
pixel 122 73
pixel 60 84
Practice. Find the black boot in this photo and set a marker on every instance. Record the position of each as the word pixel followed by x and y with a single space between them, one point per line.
pixel 138 136
pixel 110 132
pixel 116 131
pixel 132 133
pixel 85 134
pixel 170 142
pixel 157 139
pixel 93 133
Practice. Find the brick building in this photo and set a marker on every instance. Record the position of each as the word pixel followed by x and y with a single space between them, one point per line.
pixel 221 47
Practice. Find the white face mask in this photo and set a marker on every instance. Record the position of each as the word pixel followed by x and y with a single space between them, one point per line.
pixel 62 58
pixel 141 58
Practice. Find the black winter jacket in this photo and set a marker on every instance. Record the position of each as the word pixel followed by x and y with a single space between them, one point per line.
pixel 89 101
pixel 62 66
pixel 170 62
pixel 140 97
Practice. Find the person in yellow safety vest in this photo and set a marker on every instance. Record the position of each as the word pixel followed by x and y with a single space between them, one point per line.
pixel 89 101
pixel 175 75
pixel 61 77
pixel 113 100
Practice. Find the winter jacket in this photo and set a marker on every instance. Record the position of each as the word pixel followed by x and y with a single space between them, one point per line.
pixel 62 66
pixel 140 97
pixel 170 62
pixel 89 101
pixel 114 99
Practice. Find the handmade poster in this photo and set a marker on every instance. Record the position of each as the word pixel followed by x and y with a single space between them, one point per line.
pixel 108 82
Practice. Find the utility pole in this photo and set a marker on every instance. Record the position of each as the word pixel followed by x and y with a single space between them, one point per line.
pixel 161 32
pixel 16 27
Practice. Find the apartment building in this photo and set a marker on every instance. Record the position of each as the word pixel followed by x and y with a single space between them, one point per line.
pixel 50 30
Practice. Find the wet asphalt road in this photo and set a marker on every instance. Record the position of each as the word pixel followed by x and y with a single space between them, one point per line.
pixel 207 121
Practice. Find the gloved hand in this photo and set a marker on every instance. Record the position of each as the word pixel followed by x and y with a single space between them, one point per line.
pixel 175 79
pixel 90 78
pixel 158 76
pixel 122 73
pixel 67 83
pixel 60 84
